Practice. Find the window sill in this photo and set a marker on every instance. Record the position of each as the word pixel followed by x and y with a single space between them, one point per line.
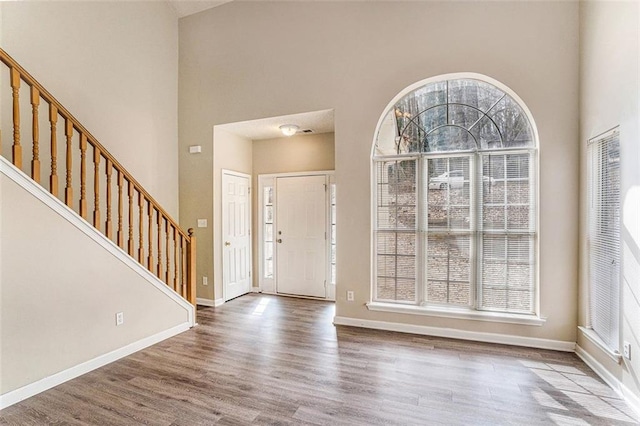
pixel 457 313
pixel 596 340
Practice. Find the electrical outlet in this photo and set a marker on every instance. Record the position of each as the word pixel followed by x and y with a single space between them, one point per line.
pixel 205 281
pixel 120 318
pixel 626 350
pixel 202 223
pixel 350 296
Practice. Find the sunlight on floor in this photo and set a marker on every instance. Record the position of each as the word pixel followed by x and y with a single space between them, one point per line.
pixel 576 388
pixel 259 310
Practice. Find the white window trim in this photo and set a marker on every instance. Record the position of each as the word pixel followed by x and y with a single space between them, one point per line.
pixel 593 337
pixel 263 282
pixel 534 318
pixel 457 313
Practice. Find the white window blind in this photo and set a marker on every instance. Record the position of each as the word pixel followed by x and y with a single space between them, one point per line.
pixel 508 233
pixel 396 230
pixel 449 228
pixel 604 237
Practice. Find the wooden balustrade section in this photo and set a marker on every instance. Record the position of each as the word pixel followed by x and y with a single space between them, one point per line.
pixel 174 257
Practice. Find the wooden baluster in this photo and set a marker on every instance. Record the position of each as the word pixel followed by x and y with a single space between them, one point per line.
pixel 141 226
pixel 83 175
pixel 68 191
pixel 96 187
pixel 150 224
pixel 120 236
pixel 17 148
pixel 176 259
pixel 159 219
pixel 130 247
pixel 35 162
pixel 191 268
pixel 166 247
pixel 53 179
pixel 107 226
pixel 183 278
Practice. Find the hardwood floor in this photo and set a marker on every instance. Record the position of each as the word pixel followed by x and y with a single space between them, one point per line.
pixel 273 360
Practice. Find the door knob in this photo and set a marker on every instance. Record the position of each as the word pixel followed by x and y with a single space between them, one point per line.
pixel 279 240
pixel 227 243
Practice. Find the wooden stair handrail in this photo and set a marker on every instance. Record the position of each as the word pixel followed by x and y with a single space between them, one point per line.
pixel 184 261
pixel 44 93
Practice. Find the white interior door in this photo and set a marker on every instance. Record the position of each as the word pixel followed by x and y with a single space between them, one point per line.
pixel 236 235
pixel 301 224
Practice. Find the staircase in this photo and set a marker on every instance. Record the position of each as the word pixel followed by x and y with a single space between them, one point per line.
pixel 108 197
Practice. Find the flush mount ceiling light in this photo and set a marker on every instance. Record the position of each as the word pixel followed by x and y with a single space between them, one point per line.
pixel 289 129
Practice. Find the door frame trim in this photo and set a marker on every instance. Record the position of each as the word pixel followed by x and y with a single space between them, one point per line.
pixel 222 216
pixel 330 175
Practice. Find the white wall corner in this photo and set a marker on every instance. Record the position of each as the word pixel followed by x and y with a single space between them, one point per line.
pixel 451 333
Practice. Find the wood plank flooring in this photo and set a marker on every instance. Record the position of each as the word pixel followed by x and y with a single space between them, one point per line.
pixel 270 360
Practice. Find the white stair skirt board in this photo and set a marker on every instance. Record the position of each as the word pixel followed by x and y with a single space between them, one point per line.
pixel 42 385
pixel 504 339
pixel 72 217
pixel 615 384
pixel 209 302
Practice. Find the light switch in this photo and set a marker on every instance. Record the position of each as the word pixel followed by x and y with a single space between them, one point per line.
pixel 195 149
pixel 202 223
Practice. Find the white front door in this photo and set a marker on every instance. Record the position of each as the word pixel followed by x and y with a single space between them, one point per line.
pixel 236 235
pixel 301 245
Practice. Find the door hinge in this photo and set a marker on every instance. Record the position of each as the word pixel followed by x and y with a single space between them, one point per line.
pixel 249 190
pixel 325 283
pixel 325 187
pixel 325 235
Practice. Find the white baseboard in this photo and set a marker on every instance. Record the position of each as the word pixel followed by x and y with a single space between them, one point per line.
pixel 630 398
pixel 209 302
pixel 255 290
pixel 205 302
pixel 29 185
pixel 505 339
pixel 42 385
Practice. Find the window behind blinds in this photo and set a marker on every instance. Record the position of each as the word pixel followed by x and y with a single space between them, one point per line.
pixel 508 233
pixel 604 236
pixel 396 212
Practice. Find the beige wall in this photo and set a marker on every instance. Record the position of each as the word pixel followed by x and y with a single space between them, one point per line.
pixel 114 65
pixel 300 153
pixel 355 57
pixel 610 97
pixel 60 292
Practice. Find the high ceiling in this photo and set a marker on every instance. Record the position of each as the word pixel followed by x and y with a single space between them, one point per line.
pixel 189 7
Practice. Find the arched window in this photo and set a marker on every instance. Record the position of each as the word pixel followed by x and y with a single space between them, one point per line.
pixel 455 198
